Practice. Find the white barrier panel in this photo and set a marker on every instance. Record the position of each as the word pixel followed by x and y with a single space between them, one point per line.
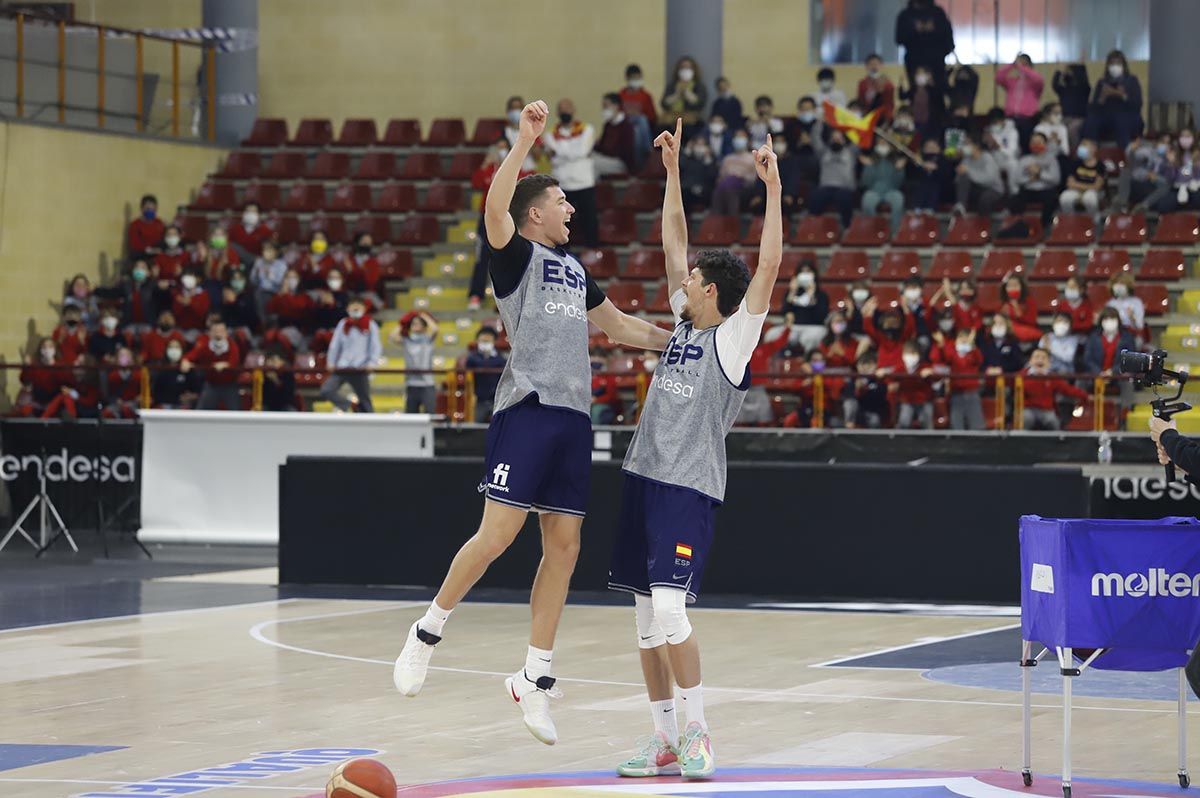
pixel 213 477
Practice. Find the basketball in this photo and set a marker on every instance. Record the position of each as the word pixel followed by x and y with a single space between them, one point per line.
pixel 361 778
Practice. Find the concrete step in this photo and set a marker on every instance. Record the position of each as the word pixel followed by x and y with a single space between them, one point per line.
pixel 433 298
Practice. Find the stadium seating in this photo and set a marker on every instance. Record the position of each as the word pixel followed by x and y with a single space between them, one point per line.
pixel 463 165
pixel 421 166
pixel 601 263
pixel 916 230
pixel 1036 233
pixel 627 296
pixel 898 265
pixel 214 196
pixel 446 133
pixel 718 231
pixel 418 230
pixel 641 196
pixel 866 231
pixel 313 133
pixel 487 132
pixel 241 165
pixel 304 198
pixel 1054 264
pixel 395 264
pixel 265 195
pixel 267 133
pixel 333 226
pixel 949 264
pixel 1179 229
pixel 376 166
pixel 645 264
pixel 443 197
pixel 402 133
pixel 1000 262
pixel 617 227
pixel 350 197
pixel 1125 229
pixel 969 231
pixel 395 198
pixel 193 227
pixel 329 166
pixel 284 165
pixel 357 133
pixel 287 228
pixel 1163 264
pixel 1104 263
pixel 753 235
pixel 1156 298
pixel 816 231
pixel 846 266
pixel 1072 230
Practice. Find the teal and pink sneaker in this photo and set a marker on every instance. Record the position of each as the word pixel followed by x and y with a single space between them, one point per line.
pixel 696 759
pixel 654 757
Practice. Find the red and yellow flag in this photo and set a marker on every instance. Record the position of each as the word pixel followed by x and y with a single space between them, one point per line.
pixel 683 550
pixel 859 129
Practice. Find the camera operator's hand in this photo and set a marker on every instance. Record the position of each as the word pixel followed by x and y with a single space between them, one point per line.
pixel 1158 426
pixel 1163 459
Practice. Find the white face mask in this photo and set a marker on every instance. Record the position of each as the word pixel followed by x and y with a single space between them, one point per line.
pixel 911 361
pixel 334 284
pixel 650 363
pixel 189 281
pixel 292 283
pixel 502 153
pixel 514 117
pixel 1110 326
pixel 963 348
pixel 1116 70
pixel 883 150
pixel 174 354
pixel 48 354
pixel 636 83
pixel 922 80
pixel 1186 142
pixel 219 347
pixel 607 114
pixel 687 73
pixel 486 348
pixel 1061 328
pixel 250 219
pixel 740 143
pixel 945 325
pixel 1072 294
pixel 356 313
pixel 825 85
pixel 860 295
pixel 838 327
pixel 912 294
pixel 805 279
pixel 172 241
pixel 109 323
pixel 716 128
pixel 999 331
pixel 1120 290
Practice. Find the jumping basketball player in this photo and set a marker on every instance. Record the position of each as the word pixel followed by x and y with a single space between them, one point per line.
pixel 539 444
pixel 675 466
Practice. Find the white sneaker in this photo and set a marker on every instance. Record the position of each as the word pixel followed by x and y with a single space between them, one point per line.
pixel 413 662
pixel 534 700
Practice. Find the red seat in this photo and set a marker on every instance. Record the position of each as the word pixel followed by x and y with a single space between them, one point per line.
pixel 1098 294
pixel 969 231
pixel 866 230
pixel 1125 228
pixel 753 236
pixel 446 133
pixel 661 302
pixel 192 227
pixel 313 133
pixel 305 198
pixel 792 259
pixel 1178 228
pixel 788 375
pixel 380 228
pixel 241 166
pixel 1163 264
pixel 487 132
pixel 750 258
pixel 307 366
pixel 950 264
pixel 329 166
pixel 286 229
pixel 1155 297
pixel 899 265
pixel 1036 233
pixel 1054 264
pixel 395 198
pixel 987 297
pixel 267 133
pixel 778 294
pixel 266 195
pixel 333 226
pixel 601 263
pixel 642 195
pixel 1104 263
pixel 215 197
pixel 1043 295
pixel 888 296
pixel 395 264
pixel 421 166
pixel 357 133
pixel 463 165
pixel 653 234
pixel 1113 159
pixel 628 297
pixel 443 198
pixel 376 166
pixel 653 169
pixel 916 230
pixel 617 227
pixel 816 231
pixel 606 195
pixel 999 262
pixel 846 266
pixel 350 197
pixel 718 231
pixel 838 294
pixel 417 230
pixel 402 133
pixel 645 264
pixel 285 165
pixel 1072 230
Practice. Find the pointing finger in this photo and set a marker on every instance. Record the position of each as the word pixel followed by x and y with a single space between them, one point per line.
pixel 678 127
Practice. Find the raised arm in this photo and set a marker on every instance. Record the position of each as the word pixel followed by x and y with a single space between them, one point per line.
pixel 496 219
pixel 770 249
pixel 626 329
pixel 674 219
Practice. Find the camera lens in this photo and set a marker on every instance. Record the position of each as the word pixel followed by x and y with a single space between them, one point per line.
pixel 1133 362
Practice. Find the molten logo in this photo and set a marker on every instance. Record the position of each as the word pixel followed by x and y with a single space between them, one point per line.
pixel 1156 582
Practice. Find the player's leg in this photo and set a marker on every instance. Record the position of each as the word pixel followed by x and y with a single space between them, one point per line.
pixel 655 754
pixel 696 758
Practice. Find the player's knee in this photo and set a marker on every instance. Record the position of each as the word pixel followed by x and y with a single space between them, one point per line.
pixel 561 549
pixel 670 612
pixel 492 542
pixel 650 633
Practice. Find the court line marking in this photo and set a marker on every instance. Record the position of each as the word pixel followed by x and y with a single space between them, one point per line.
pixel 256 632
pixel 58 624
pixel 924 642
pixel 13 780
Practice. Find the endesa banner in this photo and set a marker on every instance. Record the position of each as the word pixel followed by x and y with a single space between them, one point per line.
pixel 90 468
pixel 1142 495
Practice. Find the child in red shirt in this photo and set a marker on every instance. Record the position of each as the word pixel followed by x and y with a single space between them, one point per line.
pixel 1041 390
pixel 895 327
pixel 218 354
pixel 1074 302
pixel 172 260
pixel 146 231
pixel 1020 310
pixel 960 358
pixel 44 379
pixel 124 388
pixel 190 303
pixel 912 389
pixel 154 343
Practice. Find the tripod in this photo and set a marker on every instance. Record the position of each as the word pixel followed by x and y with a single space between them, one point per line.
pixel 45 506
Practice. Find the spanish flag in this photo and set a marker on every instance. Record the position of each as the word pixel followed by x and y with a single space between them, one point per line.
pixel 859 129
pixel 682 550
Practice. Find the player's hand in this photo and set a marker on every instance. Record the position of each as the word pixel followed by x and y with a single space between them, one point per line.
pixel 669 143
pixel 533 120
pixel 766 163
pixel 1158 426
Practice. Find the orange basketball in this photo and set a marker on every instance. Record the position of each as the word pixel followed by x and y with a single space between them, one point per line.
pixel 361 778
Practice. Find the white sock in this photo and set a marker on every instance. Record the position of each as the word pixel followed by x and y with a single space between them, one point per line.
pixel 537 663
pixel 434 619
pixel 663 713
pixel 693 704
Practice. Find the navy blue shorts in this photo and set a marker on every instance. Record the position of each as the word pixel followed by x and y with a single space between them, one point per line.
pixel 664 538
pixel 539 458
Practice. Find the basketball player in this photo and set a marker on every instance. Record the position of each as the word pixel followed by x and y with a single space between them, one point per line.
pixel 675 466
pixel 539 444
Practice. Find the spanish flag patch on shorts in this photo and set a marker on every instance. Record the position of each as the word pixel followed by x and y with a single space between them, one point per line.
pixel 682 550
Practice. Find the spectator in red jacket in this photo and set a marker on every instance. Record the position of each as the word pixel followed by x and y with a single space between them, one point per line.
pixel 215 258
pixel 70 336
pixel 172 260
pixel 155 342
pixel 1042 388
pixel 913 390
pixel 839 347
pixel 361 268
pixel 1075 303
pixel 613 152
pixel 961 359
pixel 248 234
pixel 1018 306
pixel 967 315
pixel 139 298
pixel 876 91
pixel 45 381
pixel 634 95
pixel 190 304
pixel 218 354
pixel 756 407
pixel 292 310
pixel 124 387
pixel 889 334
pixel 146 231
pixel 606 400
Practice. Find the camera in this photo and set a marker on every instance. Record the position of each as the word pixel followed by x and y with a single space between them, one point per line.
pixel 1147 369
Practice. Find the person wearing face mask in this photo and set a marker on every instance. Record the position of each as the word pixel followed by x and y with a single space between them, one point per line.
pixel 967 315
pixel 809 306
pixel 735 178
pixel 331 306
pixel 138 296
pixel 123 387
pixel 361 270
pixel 1042 390
pixel 1003 141
pixel 614 150
pixel 827 90
pixel 978 184
pixel 570 147
pixel 481 180
pixel 1148 176
pixel 685 95
pixel 634 97
pixel 718 136
pixel 103 343
pixel 839 347
pixel 913 390
pixel 145 233
pixel 190 304
pixel 1062 344
pixel 1129 306
pixel 838 179
pixel 1085 183
pixel 913 304
pixel 1000 349
pixel 697 174
pixel 1022 86
pixel 79 295
pixel 857 296
pixel 1038 178
pixel 1018 307
pixel 727 105
pixel 1184 161
pixel 931 180
pixel 266 278
pixel 156 341
pixel 888 332
pixel 417 335
pixel 237 305
pixel 512 118
pixel 805 127
pixel 1051 125
pixel 1074 302
pixel 214 258
pixel 314 265
pixel 882 178
pixel 486 363
pixel 925 33
pixel 1115 111
pixel 170 262
pixel 278 385
pixel 289 312
pixel 1101 350
pixel 45 378
pixel 216 353
pixel 875 90
pixel 927 101
pixel 764 123
pixel 353 352
pixel 961 359
pixel 248 234
pixel 865 396
pixel 1073 89
pixel 172 388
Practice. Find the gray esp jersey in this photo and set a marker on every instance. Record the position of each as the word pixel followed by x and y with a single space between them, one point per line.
pixel 546 320
pixel 690 406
